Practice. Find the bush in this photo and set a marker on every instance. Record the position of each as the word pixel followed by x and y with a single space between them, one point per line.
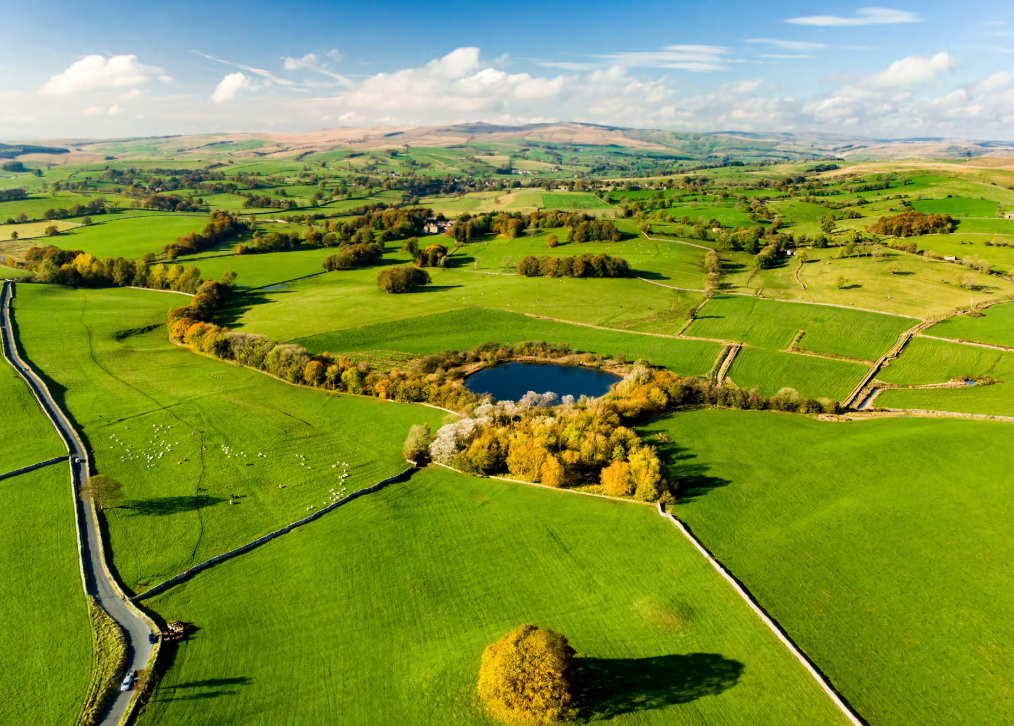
pixel 417 443
pixel 402 279
pixel 527 677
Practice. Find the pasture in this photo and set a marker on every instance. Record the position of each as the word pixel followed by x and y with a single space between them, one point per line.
pixel 461 329
pixel 185 434
pixel 131 237
pixel 811 377
pixel 880 546
pixel 380 612
pixel 994 327
pixel 773 325
pixel 927 361
pixel 956 207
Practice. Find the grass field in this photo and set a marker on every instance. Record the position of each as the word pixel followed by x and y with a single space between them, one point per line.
pixel 36 230
pixel 956 207
pixel 380 612
pixel 144 405
pixel 811 377
pixel 935 361
pixel 881 547
pixel 131 237
pixel 773 325
pixel 262 269
pixel 461 329
pixel 45 641
pixel 351 299
pixel 995 327
pixel 13 273
pixel 961 246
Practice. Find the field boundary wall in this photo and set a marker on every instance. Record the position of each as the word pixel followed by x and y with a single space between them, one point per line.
pixel 162 587
pixel 771 624
pixel 32 467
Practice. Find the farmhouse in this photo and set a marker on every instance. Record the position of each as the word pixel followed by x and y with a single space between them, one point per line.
pixel 435 227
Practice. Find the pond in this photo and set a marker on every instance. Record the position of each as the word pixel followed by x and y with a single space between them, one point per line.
pixel 512 381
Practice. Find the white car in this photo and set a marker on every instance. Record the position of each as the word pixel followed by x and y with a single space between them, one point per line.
pixel 128 681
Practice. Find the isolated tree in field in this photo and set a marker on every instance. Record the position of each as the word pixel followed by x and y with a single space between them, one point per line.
pixel 802 258
pixel 103 490
pixel 552 241
pixel 893 268
pixel 527 677
pixel 402 279
pixel 841 283
pixel 14 234
pixel 52 231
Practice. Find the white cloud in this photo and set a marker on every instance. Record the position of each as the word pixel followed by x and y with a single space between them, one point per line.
pixel 311 62
pixel 115 109
pixel 912 70
pixel 568 65
pixel 787 44
pixel 294 64
pixel 698 58
pixel 231 85
pixel 864 16
pixel 92 110
pixel 785 56
pixel 96 72
pixel 259 71
pixel 995 82
pixel 335 55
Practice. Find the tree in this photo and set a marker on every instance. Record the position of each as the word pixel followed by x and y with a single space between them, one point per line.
pixel 802 258
pixel 86 221
pixel 103 490
pixel 14 234
pixel 841 283
pixel 527 677
pixel 402 279
pixel 893 268
pixel 417 443
pixel 615 479
pixel 228 278
pixel 52 230
pixel 552 241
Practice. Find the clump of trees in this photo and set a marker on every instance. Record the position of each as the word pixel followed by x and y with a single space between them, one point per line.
pixel 528 677
pixel 580 227
pixel 913 223
pixel 580 266
pixel 350 256
pixel 12 195
pixel 402 279
pixel 75 268
pixel 430 256
pixel 221 226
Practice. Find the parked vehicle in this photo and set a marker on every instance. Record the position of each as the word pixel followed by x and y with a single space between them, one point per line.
pixel 128 681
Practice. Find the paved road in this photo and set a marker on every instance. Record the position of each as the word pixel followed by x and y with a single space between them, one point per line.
pixel 96 582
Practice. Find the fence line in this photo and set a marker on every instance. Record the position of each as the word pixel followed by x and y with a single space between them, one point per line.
pixel 162 587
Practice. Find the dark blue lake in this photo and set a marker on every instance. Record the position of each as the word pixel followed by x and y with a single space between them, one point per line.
pixel 512 381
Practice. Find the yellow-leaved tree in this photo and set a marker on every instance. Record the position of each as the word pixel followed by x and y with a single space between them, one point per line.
pixel 527 677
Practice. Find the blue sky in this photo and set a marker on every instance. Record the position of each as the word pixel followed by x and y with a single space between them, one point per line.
pixel 893 70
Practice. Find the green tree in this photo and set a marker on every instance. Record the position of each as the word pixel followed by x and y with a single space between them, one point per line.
pixel 802 258
pixel 14 234
pixel 103 490
pixel 527 677
pixel 552 241
pixel 417 443
pixel 841 283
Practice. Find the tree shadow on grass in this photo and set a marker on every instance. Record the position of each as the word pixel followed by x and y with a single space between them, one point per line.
pixel 613 687
pixel 692 479
pixel 242 302
pixel 432 288
pixel 162 506
pixel 220 686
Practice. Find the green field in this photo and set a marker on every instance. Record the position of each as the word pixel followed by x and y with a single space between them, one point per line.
pixel 467 328
pixel 380 612
pixel 267 268
pixel 995 327
pixel 124 384
pixel 772 325
pixel 132 237
pixel 880 546
pixel 811 377
pixel 926 361
pixel 956 207
pixel 45 641
pixel 13 273
pixel 351 299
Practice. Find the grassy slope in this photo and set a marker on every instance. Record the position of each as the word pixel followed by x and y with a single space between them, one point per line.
pixel 380 612
pixel 13 273
pixel 956 206
pixel 996 327
pixel 768 324
pixel 936 361
pixel 133 237
pixel 462 329
pixel 352 299
pixel 45 640
pixel 881 547
pixel 177 514
pixel 811 377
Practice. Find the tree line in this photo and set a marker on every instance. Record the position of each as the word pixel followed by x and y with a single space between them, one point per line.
pixel 913 224
pixel 580 266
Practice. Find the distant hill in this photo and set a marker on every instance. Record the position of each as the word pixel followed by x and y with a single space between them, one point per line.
pixel 704 147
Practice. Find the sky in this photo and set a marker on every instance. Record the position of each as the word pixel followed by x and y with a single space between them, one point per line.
pixel 118 69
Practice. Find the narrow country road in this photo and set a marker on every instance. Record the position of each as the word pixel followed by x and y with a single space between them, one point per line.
pixel 97 583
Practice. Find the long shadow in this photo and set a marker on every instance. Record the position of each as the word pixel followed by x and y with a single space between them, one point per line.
pixel 163 506
pixel 613 687
pixel 432 288
pixel 693 478
pixel 240 303
pixel 221 686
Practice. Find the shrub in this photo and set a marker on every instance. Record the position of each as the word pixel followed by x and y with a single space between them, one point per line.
pixel 402 279
pixel 417 443
pixel 527 677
